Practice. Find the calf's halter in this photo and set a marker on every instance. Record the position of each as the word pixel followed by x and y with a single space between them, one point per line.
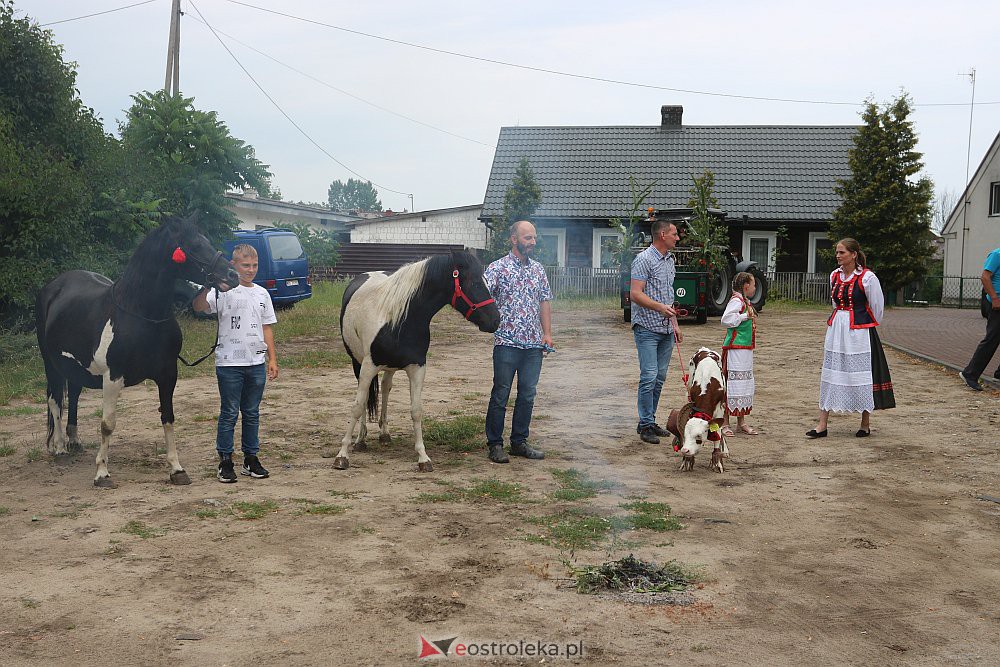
pixel 473 307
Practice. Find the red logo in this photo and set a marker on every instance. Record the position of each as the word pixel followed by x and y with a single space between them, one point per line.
pixel 436 648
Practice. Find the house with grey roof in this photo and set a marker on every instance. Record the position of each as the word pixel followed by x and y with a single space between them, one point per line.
pixel 771 181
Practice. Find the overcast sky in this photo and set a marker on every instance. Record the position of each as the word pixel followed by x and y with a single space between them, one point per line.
pixel 842 52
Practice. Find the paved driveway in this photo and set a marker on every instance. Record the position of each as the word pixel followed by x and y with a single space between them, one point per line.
pixel 944 335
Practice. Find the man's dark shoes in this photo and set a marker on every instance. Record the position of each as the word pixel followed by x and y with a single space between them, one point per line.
pixel 527 452
pixel 253 468
pixel 227 473
pixel 647 434
pixel 812 434
pixel 498 455
pixel 970 383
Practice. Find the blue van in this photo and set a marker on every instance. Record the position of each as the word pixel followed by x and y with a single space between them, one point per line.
pixel 283 268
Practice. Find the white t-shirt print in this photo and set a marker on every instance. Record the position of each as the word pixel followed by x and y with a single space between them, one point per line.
pixel 243 312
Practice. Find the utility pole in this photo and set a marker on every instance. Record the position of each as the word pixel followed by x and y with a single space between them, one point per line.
pixel 968 152
pixel 172 80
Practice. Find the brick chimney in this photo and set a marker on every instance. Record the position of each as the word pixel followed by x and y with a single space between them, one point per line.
pixel 670 116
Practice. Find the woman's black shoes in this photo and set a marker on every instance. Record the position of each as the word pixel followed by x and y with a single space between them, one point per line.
pixel 813 434
pixel 862 433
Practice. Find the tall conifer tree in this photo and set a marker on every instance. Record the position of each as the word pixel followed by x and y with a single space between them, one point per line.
pixel 886 203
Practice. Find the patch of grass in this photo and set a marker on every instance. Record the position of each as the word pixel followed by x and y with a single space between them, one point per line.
pixel 348 495
pixel 207 514
pixel 204 418
pixel 21 371
pixel 139 529
pixel 483 489
pixel 446 497
pixel 35 454
pixel 473 396
pixel 777 306
pixel 574 302
pixel 21 411
pixel 247 510
pixel 7 450
pixel 323 509
pixel 631 575
pixel 364 530
pixel 651 516
pixel 575 529
pixel 331 356
pixel 72 512
pixel 30 603
pixel 465 433
pixel 4 511
pixel 577 485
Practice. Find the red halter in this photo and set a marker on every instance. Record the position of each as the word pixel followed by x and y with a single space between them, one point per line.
pixel 473 307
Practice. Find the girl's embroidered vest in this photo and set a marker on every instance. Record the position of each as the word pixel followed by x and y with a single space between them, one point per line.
pixel 744 336
pixel 850 295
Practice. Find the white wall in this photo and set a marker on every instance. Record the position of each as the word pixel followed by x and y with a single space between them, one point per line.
pixel 449 227
pixel 983 235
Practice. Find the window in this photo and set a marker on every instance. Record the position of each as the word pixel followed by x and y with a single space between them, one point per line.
pixel 550 248
pixel 759 247
pixel 285 246
pixel 821 260
pixel 994 198
pixel 602 256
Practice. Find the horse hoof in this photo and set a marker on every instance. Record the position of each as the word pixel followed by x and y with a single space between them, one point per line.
pixel 341 463
pixel 104 483
pixel 361 446
pixel 385 439
pixel 74 448
pixel 180 478
pixel 426 466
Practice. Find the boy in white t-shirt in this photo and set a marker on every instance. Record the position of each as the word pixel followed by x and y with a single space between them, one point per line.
pixel 244 360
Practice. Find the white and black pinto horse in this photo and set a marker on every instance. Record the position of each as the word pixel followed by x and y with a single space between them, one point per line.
pixel 96 333
pixel 385 324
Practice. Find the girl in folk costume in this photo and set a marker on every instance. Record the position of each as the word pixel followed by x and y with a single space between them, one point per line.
pixel 737 353
pixel 855 373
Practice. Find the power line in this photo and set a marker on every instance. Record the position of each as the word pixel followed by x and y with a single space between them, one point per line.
pixel 586 77
pixel 87 16
pixel 344 92
pixel 283 113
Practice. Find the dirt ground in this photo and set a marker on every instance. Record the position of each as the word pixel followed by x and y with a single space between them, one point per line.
pixel 826 552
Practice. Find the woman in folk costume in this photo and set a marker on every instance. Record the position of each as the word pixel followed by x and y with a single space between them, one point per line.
pixel 855 374
pixel 737 353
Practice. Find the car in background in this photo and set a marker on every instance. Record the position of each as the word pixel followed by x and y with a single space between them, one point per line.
pixel 283 268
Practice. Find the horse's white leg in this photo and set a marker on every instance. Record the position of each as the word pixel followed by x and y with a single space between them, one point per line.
pixel 367 373
pixel 416 374
pixel 56 442
pixel 108 421
pixel 166 389
pixel 383 414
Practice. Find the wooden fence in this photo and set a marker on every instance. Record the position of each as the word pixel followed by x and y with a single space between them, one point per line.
pixel 583 281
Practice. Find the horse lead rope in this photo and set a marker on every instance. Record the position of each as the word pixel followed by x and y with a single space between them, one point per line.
pixel 524 344
pixel 191 364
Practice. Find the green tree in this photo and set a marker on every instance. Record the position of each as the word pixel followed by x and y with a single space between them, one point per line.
pixel 354 195
pixel 886 203
pixel 519 203
pixel 320 245
pixel 54 162
pixel 705 230
pixel 629 224
pixel 189 159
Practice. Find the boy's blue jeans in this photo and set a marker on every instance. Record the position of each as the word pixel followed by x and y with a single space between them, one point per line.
pixel 508 361
pixel 654 357
pixel 240 390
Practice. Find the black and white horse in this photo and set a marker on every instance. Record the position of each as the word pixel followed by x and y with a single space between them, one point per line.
pixel 385 324
pixel 96 333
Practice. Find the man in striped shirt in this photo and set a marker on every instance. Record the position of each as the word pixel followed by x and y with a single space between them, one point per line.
pixel 654 323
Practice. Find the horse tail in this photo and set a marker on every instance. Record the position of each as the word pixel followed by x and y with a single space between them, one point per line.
pixel 373 399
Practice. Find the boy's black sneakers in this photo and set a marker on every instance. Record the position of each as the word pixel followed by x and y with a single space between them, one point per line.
pixel 253 468
pixel 227 473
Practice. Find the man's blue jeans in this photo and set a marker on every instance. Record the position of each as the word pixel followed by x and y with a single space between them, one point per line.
pixel 240 388
pixel 654 357
pixel 527 365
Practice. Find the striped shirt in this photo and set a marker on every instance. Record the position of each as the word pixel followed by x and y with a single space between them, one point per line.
pixel 658 271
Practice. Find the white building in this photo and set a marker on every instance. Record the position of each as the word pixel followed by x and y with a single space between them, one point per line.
pixel 256 213
pixel 447 226
pixel 972 231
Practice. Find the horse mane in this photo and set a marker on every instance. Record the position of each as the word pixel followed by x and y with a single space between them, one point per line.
pixel 394 295
pixel 150 254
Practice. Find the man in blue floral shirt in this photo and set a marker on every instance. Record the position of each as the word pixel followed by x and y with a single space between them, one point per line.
pixel 521 290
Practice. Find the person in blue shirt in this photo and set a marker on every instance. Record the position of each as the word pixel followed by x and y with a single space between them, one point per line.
pixel 988 345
